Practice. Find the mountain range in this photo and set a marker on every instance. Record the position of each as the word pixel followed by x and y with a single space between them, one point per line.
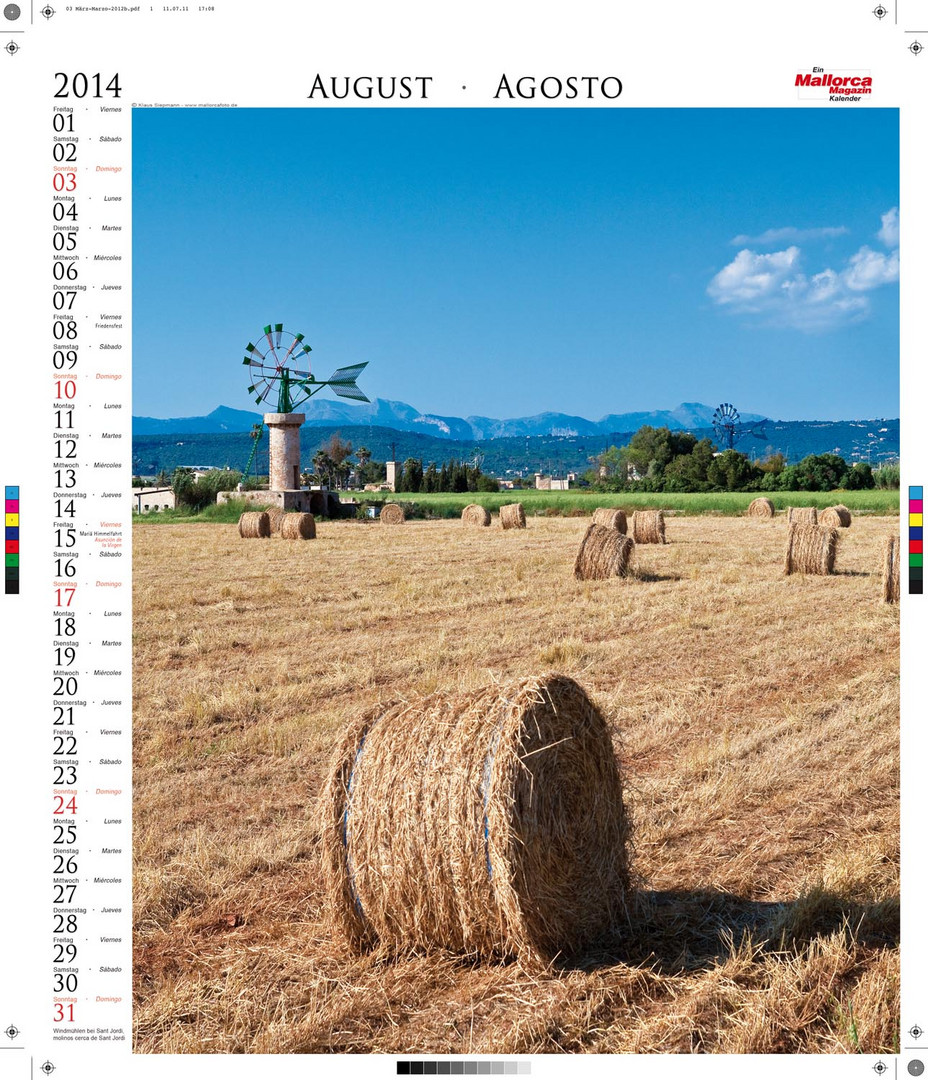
pixel 399 416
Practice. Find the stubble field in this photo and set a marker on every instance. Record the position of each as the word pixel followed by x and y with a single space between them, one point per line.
pixel 755 719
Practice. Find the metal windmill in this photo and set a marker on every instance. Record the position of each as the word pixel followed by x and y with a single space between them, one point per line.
pixel 281 379
pixel 726 421
pixel 274 371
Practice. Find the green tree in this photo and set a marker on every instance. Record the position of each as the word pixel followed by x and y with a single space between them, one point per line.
pixel 650 450
pixel 732 471
pixel 195 494
pixel 774 463
pixel 821 472
pixel 337 453
pixel 607 463
pixel 887 477
pixel 690 472
pixel 860 477
pixel 458 476
pixel 412 475
pixel 372 472
pixel 323 467
pixel 789 479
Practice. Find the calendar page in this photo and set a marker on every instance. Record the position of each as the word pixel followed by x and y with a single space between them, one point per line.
pixel 463 604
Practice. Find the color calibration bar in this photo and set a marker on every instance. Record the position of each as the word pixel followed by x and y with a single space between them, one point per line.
pixel 915 539
pixel 463 1068
pixel 11 538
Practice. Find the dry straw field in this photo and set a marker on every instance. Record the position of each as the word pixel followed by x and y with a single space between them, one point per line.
pixel 754 716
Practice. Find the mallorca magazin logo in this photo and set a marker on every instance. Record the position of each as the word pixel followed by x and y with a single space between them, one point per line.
pixel 842 85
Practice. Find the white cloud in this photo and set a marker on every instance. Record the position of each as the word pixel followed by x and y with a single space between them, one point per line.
pixel 868 269
pixel 889 233
pixel 774 288
pixel 791 235
pixel 751 278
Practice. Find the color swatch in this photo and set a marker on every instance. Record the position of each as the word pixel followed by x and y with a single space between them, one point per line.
pixel 915 539
pixel 463 1068
pixel 11 540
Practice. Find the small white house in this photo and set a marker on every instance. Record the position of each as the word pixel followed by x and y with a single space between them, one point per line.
pixel 153 499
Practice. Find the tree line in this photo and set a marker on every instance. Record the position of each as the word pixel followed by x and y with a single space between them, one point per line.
pixel 658 459
pixel 452 476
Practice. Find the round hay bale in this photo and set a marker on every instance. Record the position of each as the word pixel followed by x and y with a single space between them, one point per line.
pixel 298 527
pixel 811 549
pixel 761 508
pixel 610 518
pixel 475 514
pixel 604 553
pixel 836 517
pixel 254 524
pixel 512 516
pixel 648 527
pixel 392 514
pixel 891 552
pixel 489 823
pixel 802 515
pixel 275 514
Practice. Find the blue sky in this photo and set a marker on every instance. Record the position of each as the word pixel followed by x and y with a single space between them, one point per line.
pixel 505 262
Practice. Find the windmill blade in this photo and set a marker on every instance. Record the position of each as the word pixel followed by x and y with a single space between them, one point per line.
pixel 349 391
pixel 296 341
pixel 270 343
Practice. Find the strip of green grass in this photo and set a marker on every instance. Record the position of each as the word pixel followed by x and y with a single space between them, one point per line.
pixel 879 502
pixel 226 513
pixel 445 505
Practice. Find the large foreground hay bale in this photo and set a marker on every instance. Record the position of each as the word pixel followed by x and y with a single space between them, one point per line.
pixel 475 514
pixel 610 518
pixel 512 516
pixel 802 515
pixel 891 554
pixel 275 515
pixel 648 527
pixel 761 508
pixel 603 553
pixel 298 527
pixel 836 517
pixel 811 549
pixel 489 822
pixel 392 514
pixel 254 524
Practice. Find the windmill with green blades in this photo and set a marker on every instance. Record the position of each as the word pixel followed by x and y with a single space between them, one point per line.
pixel 281 376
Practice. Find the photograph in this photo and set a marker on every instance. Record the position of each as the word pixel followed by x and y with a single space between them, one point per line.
pixel 516 578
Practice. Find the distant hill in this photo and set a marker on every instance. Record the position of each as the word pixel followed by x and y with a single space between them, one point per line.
pixel 854 440
pixel 402 417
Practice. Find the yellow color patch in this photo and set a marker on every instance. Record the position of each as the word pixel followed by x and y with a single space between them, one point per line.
pixel 12 519
pixel 914 519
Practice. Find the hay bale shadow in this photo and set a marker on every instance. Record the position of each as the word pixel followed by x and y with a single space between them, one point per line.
pixel 649 575
pixel 676 931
